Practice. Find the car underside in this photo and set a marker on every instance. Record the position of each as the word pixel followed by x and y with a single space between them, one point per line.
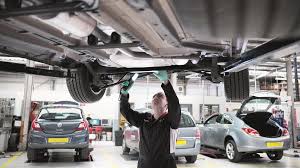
pixel 96 44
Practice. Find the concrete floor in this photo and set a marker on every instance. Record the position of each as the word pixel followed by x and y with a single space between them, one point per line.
pixel 107 155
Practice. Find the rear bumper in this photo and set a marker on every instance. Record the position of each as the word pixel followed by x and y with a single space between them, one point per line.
pixel 188 151
pixel 39 140
pixel 259 144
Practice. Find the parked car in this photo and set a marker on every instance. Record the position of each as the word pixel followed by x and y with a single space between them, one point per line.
pixel 188 139
pixel 58 126
pixel 96 41
pixel 250 130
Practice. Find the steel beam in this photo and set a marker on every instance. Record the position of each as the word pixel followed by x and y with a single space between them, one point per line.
pixel 21 68
pixel 26 108
pixel 204 65
pixel 290 92
pixel 75 6
pixel 106 46
pixel 296 78
pixel 273 49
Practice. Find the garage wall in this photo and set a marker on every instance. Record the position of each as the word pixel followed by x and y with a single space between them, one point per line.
pixel 54 89
pixel 11 86
pixel 142 93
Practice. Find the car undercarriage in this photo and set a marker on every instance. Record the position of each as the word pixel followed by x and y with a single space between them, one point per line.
pixel 94 42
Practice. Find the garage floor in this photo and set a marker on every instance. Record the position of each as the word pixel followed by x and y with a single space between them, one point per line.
pixel 107 155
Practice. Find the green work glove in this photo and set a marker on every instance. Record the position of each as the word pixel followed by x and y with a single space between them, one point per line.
pixel 126 86
pixel 162 75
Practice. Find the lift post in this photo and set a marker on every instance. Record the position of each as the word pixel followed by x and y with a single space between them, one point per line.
pixel 26 108
pixel 290 93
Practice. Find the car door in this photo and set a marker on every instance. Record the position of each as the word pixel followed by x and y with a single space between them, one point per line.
pixel 222 130
pixel 134 138
pixel 131 134
pixel 207 131
pixel 217 131
pixel 127 135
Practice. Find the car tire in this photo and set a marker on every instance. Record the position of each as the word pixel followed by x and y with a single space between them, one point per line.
pixel 191 159
pixel 84 154
pixel 35 155
pixel 125 149
pixel 236 85
pixel 80 86
pixel 276 155
pixel 231 152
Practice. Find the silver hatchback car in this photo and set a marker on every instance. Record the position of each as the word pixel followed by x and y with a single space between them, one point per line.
pixel 188 137
pixel 58 126
pixel 250 130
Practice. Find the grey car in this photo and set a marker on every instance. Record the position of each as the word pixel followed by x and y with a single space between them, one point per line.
pixel 188 137
pixel 58 126
pixel 250 130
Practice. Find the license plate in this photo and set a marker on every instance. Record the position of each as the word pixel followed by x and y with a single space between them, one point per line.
pixel 274 144
pixel 58 140
pixel 181 142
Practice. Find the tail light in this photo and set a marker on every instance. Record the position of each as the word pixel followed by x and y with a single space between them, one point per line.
pixel 198 134
pixel 285 132
pixel 82 126
pixel 36 126
pixel 250 131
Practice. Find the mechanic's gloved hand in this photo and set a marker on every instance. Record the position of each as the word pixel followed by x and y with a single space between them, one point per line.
pixel 162 75
pixel 126 87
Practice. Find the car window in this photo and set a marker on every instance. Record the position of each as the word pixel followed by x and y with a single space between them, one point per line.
pixel 186 121
pixel 60 113
pixel 212 120
pixel 219 118
pixel 226 120
pixel 260 104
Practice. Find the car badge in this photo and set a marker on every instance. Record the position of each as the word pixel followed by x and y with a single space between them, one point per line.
pixel 59 125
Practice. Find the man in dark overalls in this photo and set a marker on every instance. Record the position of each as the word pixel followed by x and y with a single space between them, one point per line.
pixel 157 129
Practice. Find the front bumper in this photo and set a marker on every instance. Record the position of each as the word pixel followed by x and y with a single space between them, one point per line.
pixel 39 140
pixel 188 151
pixel 259 144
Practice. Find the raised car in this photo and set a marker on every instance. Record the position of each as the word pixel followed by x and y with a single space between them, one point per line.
pixel 93 43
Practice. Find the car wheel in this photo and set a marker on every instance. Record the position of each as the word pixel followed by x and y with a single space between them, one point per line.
pixel 275 155
pixel 191 159
pixel 231 152
pixel 84 154
pixel 81 86
pixel 126 150
pixel 236 85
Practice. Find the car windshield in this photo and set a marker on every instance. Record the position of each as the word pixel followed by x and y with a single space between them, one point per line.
pixel 261 104
pixel 186 121
pixel 60 113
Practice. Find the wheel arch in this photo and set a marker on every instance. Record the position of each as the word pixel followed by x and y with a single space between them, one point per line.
pixel 233 137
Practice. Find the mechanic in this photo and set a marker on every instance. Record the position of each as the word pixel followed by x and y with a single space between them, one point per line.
pixel 157 130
